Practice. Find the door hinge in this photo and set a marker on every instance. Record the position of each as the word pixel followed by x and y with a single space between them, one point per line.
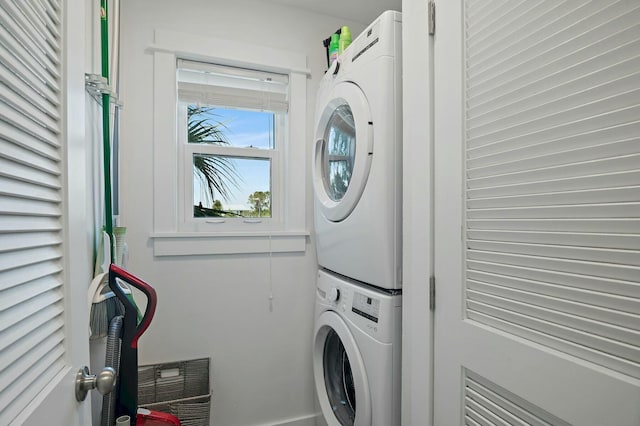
pixel 432 17
pixel 432 293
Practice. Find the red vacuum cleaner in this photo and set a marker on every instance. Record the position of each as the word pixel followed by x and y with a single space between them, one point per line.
pixel 127 385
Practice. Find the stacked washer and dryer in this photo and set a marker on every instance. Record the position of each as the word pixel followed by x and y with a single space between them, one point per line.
pixel 358 199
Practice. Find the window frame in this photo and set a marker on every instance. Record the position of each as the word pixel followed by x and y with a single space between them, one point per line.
pixel 173 235
pixel 186 151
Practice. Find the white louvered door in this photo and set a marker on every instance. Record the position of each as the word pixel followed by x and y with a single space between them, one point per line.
pixel 43 312
pixel 537 213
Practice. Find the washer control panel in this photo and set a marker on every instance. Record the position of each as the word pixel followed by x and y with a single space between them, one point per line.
pixel 368 310
pixel 334 294
pixel 366 306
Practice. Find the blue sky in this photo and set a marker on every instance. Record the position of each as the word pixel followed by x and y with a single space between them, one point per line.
pixel 245 129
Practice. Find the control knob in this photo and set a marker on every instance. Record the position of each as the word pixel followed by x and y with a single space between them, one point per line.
pixel 333 295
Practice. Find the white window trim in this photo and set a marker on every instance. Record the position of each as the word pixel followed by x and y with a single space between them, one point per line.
pixel 169 239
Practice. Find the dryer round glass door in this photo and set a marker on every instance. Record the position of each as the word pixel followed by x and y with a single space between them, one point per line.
pixel 343 151
pixel 338 153
pixel 341 380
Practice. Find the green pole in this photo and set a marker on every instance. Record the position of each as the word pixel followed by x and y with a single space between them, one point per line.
pixel 106 142
pixel 106 138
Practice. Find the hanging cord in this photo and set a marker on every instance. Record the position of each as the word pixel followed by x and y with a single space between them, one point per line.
pixel 270 276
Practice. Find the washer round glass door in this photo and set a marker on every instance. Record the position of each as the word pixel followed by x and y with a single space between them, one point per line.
pixel 338 379
pixel 339 372
pixel 343 151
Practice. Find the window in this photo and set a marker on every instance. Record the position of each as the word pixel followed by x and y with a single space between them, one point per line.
pixel 229 147
pixel 231 135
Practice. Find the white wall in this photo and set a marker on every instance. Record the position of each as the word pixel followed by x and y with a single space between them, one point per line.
pixel 217 306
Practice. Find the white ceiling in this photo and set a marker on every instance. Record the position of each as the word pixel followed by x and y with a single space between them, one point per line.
pixel 362 11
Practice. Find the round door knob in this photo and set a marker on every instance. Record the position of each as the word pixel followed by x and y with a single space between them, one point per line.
pixel 334 294
pixel 104 381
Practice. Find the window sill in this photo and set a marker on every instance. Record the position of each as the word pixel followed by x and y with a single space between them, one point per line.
pixel 192 243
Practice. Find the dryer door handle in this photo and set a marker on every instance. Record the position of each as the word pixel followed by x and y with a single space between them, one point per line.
pixel 316 165
pixel 319 148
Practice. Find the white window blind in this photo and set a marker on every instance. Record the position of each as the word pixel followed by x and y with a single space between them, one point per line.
pixel 31 308
pixel 553 175
pixel 217 85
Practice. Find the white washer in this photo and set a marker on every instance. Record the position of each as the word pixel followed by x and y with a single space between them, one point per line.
pixel 356 353
pixel 357 158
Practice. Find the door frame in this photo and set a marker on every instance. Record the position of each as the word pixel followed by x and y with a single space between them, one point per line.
pixel 417 215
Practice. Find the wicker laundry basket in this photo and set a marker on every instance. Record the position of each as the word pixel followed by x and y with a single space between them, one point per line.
pixel 180 388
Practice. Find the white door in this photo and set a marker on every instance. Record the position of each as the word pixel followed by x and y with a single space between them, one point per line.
pixel 343 150
pixel 537 213
pixel 43 213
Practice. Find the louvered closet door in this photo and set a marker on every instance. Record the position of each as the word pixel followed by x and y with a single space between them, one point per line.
pixel 35 331
pixel 537 213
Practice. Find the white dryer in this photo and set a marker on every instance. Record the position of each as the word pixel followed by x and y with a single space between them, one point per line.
pixel 356 353
pixel 357 158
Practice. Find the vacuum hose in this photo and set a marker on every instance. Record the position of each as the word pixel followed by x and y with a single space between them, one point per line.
pixel 112 360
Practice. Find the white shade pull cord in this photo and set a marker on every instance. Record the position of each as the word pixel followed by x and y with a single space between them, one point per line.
pixel 270 276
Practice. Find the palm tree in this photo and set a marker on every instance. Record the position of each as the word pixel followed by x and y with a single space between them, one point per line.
pixel 216 173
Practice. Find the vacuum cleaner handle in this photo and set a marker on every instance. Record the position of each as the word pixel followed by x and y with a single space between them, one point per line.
pixel 132 329
pixel 117 272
